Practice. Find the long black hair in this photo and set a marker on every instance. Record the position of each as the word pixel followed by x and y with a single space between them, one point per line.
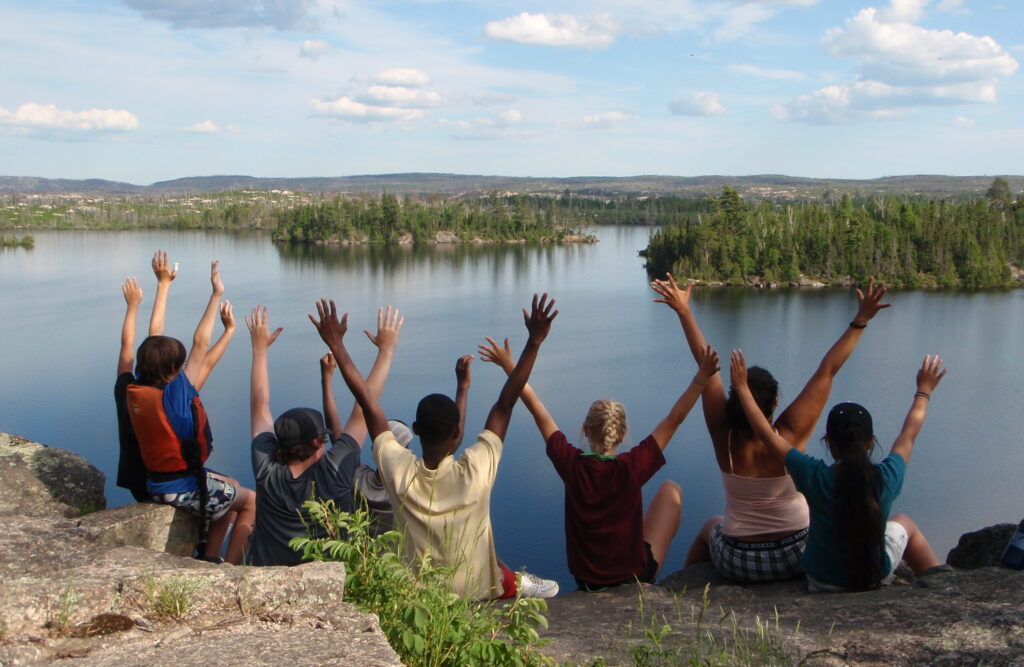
pixel 765 389
pixel 859 525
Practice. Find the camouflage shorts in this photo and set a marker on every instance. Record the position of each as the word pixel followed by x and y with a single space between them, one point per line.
pixel 221 498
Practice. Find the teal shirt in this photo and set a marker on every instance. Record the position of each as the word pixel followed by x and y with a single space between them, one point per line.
pixel 822 559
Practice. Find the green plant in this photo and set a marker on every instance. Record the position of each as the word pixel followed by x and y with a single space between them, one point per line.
pixel 67 603
pixel 171 598
pixel 696 641
pixel 422 617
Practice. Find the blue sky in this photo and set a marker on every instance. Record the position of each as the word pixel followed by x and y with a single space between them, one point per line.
pixel 147 90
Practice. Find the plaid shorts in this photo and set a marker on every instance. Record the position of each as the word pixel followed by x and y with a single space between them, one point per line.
pixel 757 562
pixel 221 497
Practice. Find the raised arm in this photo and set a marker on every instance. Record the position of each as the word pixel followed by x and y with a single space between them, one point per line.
pixel 538 324
pixel 462 381
pixel 760 425
pixel 332 331
pixel 928 378
pixel 204 332
pixel 327 366
pixel 217 350
pixel 261 420
pixel 132 298
pixel 796 423
pixel 707 368
pixel 502 358
pixel 678 299
pixel 164 277
pixel 389 324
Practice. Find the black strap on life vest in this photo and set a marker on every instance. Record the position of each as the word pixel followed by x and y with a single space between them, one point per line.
pixel 192 453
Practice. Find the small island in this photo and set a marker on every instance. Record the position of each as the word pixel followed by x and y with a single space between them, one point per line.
pixel 908 241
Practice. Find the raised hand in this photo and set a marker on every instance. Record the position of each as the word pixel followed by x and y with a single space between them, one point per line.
pixel 162 268
pixel 327 365
pixel 258 328
pixel 389 323
pixel 499 356
pixel 676 298
pixel 227 316
pixel 538 321
pixel 462 374
pixel 707 364
pixel 870 302
pixel 330 328
pixel 215 281
pixel 132 292
pixel 738 371
pixel 930 373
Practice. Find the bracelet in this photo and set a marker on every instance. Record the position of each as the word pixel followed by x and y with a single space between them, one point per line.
pixel 923 395
pixel 699 383
pixel 858 326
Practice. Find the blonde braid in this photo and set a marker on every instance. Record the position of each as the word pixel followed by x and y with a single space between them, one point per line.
pixel 606 423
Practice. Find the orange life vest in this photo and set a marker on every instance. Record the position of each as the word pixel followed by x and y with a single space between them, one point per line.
pixel 163 452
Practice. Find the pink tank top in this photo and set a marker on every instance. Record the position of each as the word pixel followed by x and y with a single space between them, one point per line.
pixel 760 505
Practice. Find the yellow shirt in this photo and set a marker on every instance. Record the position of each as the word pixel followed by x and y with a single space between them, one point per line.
pixel 446 513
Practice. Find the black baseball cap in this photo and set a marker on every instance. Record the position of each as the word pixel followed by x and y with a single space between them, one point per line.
pixel 298 426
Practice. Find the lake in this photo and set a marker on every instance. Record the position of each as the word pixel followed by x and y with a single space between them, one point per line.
pixel 61 311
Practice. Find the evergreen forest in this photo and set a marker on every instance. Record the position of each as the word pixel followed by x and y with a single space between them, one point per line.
pixel 903 241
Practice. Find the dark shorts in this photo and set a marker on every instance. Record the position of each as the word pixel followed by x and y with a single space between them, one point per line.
pixel 650 571
pixel 757 562
pixel 220 498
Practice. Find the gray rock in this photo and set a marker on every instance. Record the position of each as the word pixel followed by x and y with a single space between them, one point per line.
pixel 981 548
pixel 147 525
pixel 46 481
pixel 949 618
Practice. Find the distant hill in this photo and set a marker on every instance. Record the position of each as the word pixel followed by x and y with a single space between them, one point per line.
pixel 763 185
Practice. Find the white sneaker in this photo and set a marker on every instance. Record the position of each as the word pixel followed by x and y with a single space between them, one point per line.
pixel 531 586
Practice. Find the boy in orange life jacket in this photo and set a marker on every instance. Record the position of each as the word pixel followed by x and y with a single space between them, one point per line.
pixel 443 504
pixel 290 460
pixel 169 422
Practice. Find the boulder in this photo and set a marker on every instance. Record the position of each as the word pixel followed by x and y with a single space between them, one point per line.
pixel 46 481
pixel 148 525
pixel 695 616
pixel 981 548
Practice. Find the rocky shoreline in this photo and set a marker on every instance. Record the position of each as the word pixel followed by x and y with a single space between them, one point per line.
pixel 106 587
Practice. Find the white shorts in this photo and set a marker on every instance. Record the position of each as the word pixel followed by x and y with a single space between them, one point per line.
pixel 895 544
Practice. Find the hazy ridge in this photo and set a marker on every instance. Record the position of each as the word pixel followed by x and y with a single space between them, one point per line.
pixel 453 184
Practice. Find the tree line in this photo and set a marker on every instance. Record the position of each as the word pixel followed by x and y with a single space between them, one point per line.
pixel 904 241
pixel 387 218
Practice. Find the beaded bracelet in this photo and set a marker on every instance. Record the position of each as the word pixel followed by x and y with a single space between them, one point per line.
pixel 923 395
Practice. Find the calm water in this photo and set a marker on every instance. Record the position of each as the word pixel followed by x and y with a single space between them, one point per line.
pixel 61 312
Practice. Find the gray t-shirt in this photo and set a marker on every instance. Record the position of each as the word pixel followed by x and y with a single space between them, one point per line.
pixel 279 496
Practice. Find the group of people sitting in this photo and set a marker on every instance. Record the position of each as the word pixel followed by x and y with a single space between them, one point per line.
pixel 787 515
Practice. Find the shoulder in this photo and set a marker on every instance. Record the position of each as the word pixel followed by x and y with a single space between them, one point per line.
pixel 121 385
pixel 344 448
pixel 802 465
pixel 557 442
pixel 648 448
pixel 893 466
pixel 265 443
pixel 486 441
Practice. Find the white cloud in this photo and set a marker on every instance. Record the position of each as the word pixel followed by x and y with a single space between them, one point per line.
pixel 32 116
pixel 963 122
pixel 279 14
pixel 504 119
pixel 950 6
pixel 901 66
pixel 209 127
pixel 345 108
pixel 400 96
pixel 776 74
pixel 314 48
pixel 697 104
pixel 901 53
pixel 603 121
pixel 903 11
pixel 410 78
pixel 555 30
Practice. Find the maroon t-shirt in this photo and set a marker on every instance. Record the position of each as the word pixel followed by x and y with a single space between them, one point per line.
pixel 604 508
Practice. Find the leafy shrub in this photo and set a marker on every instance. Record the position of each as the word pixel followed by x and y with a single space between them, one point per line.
pixel 424 620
